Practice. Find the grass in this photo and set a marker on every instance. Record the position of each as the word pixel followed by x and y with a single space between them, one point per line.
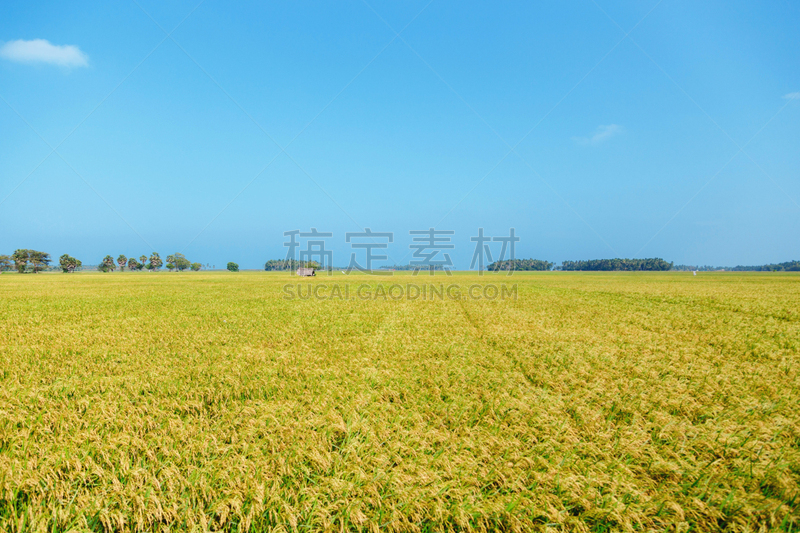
pixel 208 401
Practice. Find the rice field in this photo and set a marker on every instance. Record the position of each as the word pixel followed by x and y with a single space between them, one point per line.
pixel 220 401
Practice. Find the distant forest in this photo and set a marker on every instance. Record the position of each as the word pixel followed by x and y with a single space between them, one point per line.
pixel 654 264
pixel 520 264
pixel 292 264
pixel 788 266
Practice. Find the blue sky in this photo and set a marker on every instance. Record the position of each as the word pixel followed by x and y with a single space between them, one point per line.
pixel 648 129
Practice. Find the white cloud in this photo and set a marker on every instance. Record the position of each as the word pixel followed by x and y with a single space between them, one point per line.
pixel 602 133
pixel 42 51
pixel 792 96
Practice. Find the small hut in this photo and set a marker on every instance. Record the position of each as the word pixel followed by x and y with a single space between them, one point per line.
pixel 306 272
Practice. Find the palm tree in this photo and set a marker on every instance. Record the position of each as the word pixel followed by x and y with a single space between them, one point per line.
pixel 108 264
pixel 121 261
pixel 68 263
pixel 155 261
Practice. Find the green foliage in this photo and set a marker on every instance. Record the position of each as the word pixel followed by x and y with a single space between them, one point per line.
pixel 789 266
pixel 107 265
pixel 654 264
pixel 520 265
pixel 233 267
pixel 39 260
pixel 290 265
pixel 133 264
pixel 122 261
pixel 699 268
pixel 181 263
pixel 196 266
pixel 5 263
pixel 155 262
pixel 68 263
pixel 178 262
pixel 20 258
pixel 33 259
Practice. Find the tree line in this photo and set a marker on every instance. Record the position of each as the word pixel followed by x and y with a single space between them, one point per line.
pixel 652 264
pixel 175 263
pixel 520 264
pixel 788 266
pixel 34 261
pixel 288 264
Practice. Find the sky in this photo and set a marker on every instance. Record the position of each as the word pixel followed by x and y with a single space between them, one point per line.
pixel 595 129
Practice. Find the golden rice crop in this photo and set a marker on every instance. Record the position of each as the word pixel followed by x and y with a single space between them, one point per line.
pixel 211 401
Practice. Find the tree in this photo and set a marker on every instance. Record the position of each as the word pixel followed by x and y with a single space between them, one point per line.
pixel 5 263
pixel 181 263
pixel 121 261
pixel 155 262
pixel 233 267
pixel 39 260
pixel 133 264
pixel 68 263
pixel 178 262
pixel 142 261
pixel 21 258
pixel 107 265
pixel 196 266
